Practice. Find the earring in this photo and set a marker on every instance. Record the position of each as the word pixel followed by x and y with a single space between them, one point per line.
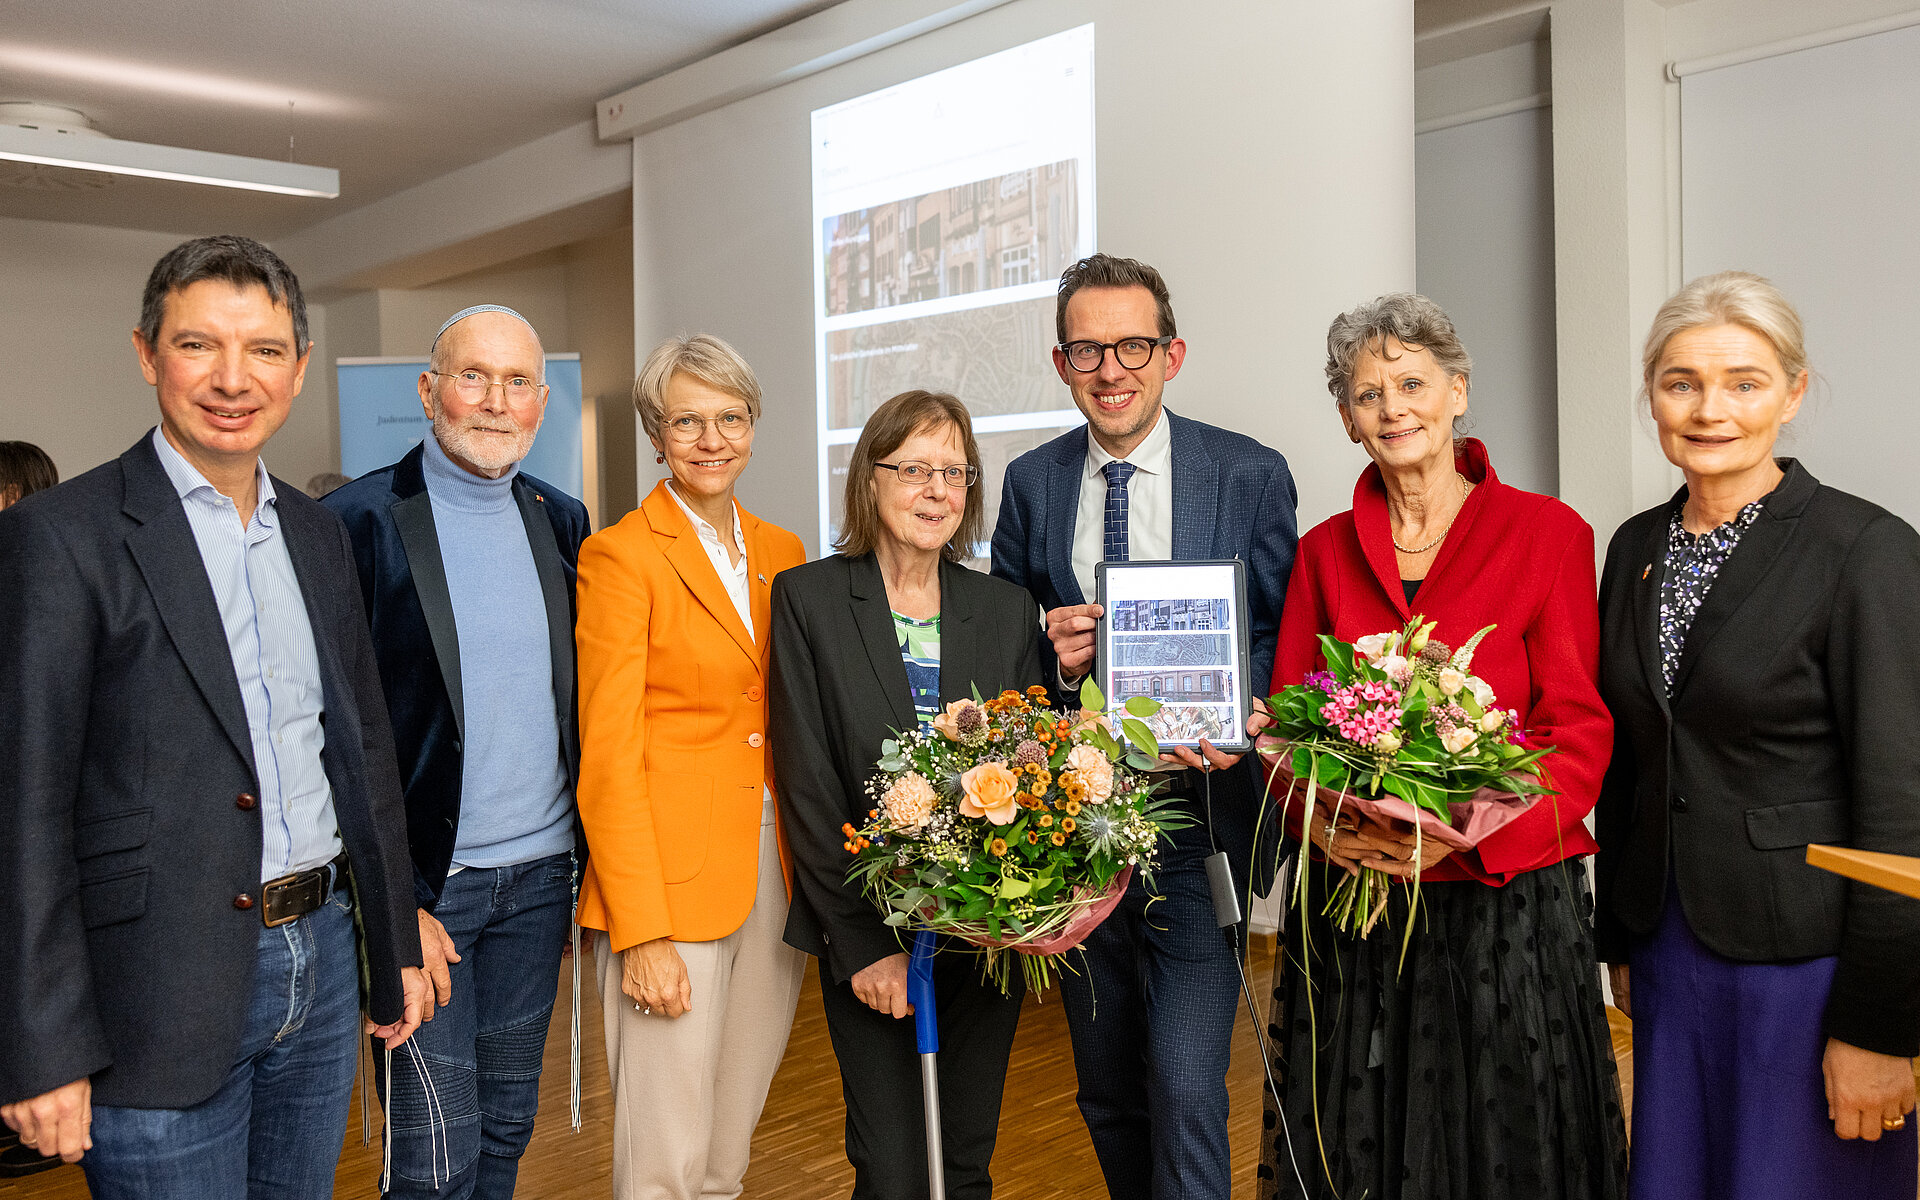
pixel 659 458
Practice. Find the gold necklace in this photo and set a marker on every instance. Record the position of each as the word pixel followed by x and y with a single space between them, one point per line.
pixel 1465 488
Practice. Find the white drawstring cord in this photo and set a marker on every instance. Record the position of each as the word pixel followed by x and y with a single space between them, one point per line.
pixel 437 1135
pixel 362 1082
pixel 576 1029
pixel 386 1129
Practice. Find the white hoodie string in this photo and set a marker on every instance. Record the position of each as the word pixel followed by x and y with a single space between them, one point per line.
pixel 575 1094
pixel 438 1141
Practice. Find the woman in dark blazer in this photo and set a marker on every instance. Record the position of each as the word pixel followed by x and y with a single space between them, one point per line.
pixel 1762 661
pixel 864 644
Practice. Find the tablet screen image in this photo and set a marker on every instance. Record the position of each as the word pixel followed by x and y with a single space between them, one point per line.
pixel 1174 632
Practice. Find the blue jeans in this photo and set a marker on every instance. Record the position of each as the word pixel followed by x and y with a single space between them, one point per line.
pixel 1151 1014
pixel 274 1128
pixel 482 1053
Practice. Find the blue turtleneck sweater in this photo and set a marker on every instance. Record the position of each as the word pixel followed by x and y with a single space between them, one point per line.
pixel 515 803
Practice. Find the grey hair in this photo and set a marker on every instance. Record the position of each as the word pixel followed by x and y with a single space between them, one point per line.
pixel 1728 298
pixel 706 358
pixel 240 261
pixel 1409 318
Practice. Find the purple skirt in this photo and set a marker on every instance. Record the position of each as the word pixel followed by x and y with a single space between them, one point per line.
pixel 1728 1096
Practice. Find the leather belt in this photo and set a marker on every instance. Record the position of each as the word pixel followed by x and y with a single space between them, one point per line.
pixel 291 897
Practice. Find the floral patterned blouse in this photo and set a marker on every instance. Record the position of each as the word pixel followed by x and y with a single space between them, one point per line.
pixel 1691 565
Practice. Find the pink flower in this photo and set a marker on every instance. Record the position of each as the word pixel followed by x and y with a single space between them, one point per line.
pixel 990 789
pixel 1373 645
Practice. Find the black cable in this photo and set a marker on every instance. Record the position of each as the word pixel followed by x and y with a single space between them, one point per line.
pixel 1231 927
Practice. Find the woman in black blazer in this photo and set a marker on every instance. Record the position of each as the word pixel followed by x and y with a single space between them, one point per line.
pixel 865 643
pixel 1761 657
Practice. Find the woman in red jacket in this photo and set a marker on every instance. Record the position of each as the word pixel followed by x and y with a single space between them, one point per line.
pixel 1480 1066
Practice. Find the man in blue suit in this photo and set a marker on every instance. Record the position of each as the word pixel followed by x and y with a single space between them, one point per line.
pixel 1138 483
pixel 467 567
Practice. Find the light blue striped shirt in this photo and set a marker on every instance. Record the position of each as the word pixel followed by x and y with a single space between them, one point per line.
pixel 274 658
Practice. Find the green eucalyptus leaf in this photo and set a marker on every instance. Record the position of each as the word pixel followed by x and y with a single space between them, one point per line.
pixel 1091 698
pixel 1142 706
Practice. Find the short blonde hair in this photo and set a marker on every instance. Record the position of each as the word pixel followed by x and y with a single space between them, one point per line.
pixel 1728 298
pixel 706 358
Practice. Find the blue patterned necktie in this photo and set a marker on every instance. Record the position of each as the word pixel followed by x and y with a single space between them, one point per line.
pixel 1114 547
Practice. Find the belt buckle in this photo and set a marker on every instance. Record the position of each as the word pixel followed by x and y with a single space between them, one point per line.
pixel 291 897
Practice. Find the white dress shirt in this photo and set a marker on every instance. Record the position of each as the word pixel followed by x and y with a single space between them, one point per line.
pixel 734 577
pixel 1149 504
pixel 274 660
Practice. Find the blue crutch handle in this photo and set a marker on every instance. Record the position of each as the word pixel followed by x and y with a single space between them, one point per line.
pixel 926 1018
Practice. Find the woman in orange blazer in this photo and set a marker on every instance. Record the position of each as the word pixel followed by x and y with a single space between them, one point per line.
pixel 686 879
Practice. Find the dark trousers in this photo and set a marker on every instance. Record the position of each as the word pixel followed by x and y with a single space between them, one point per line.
pixel 273 1130
pixel 1150 1001
pixel 466 1086
pixel 880 1078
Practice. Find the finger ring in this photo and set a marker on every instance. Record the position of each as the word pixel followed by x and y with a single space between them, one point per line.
pixel 1899 1122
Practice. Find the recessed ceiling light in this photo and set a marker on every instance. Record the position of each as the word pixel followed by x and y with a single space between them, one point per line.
pixel 60 137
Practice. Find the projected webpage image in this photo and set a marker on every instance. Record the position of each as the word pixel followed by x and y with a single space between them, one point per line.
pixel 991 233
pixel 945 209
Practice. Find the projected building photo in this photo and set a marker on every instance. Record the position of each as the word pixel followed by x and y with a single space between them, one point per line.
pixel 1011 229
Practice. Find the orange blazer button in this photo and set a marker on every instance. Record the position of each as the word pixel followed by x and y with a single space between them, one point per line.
pixel 754 740
pixel 753 694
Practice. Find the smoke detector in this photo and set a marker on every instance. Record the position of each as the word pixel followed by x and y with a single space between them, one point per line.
pixel 38 177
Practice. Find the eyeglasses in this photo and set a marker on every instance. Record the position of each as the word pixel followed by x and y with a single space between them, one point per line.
pixel 472 384
pixel 1132 353
pixel 688 428
pixel 919 474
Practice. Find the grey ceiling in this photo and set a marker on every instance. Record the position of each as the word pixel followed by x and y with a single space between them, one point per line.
pixel 390 93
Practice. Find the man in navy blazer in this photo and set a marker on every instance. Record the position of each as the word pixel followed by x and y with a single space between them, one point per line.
pixel 467 568
pixel 197 782
pixel 1151 1009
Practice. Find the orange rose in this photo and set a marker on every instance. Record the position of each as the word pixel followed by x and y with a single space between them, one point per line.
pixel 990 789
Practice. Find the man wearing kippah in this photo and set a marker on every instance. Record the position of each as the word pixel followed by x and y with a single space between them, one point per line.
pixel 467 566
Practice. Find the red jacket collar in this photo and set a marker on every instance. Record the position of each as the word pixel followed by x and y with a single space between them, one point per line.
pixel 1375 531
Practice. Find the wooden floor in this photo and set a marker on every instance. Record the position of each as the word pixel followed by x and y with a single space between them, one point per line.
pixel 1043 1150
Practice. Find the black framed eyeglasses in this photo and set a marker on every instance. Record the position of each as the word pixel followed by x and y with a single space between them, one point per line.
pixel 919 474
pixel 1131 353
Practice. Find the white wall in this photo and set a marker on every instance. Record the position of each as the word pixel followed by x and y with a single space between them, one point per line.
pixel 69 300
pixel 1803 167
pixel 1485 220
pixel 1261 156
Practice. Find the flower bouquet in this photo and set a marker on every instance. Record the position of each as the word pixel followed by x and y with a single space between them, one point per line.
pixel 1398 728
pixel 1010 825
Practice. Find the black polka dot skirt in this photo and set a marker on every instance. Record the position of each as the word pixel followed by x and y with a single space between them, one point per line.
pixel 1480 1068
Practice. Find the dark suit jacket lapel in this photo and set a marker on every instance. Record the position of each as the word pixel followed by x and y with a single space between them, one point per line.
pixel 164 549
pixel 413 520
pixel 958 657
pixel 1062 510
pixel 1196 491
pixel 307 530
pixel 1645 600
pixel 867 593
pixel 548 564
pixel 1749 563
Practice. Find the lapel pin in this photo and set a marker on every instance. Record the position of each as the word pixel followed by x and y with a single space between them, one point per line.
pixel 762 576
pixel 1646 570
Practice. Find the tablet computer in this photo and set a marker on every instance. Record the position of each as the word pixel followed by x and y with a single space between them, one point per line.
pixel 1176 632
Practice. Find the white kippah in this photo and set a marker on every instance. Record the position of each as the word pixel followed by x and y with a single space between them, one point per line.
pixel 464 313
